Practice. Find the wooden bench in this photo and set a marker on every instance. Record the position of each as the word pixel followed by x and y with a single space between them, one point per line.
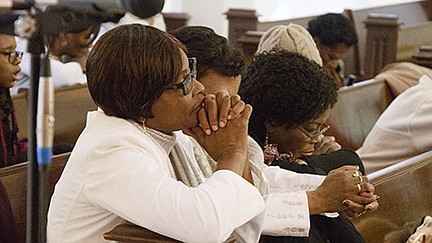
pixel 175 20
pixel 14 179
pixel 70 112
pixel 406 197
pixel 356 111
pixel 389 40
pixel 245 29
pixel 134 233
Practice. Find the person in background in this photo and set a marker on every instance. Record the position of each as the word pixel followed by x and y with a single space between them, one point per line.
pixel 291 37
pixel 334 35
pixel 146 14
pixel 403 129
pixel 68 51
pixel 10 150
pixel 222 66
pixel 126 150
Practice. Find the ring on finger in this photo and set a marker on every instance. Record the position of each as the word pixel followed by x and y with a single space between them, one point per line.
pixel 356 174
pixel 361 179
pixel 359 187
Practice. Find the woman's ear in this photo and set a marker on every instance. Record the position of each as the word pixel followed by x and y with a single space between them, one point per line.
pixel 269 127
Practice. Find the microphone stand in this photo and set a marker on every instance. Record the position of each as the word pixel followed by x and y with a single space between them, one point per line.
pixel 37 180
pixel 35 48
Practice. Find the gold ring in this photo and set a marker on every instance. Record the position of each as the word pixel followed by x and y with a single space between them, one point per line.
pixel 361 179
pixel 359 188
pixel 360 214
pixel 356 174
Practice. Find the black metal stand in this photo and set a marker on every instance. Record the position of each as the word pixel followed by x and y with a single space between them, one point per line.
pixel 36 48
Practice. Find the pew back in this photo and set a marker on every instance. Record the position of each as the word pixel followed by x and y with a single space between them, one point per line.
pixel 356 111
pixel 405 191
pixel 70 111
pixel 389 41
pixel 14 179
pixel 408 13
pixel 135 233
pixel 411 38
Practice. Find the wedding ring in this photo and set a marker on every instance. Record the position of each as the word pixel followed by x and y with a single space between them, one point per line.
pixel 359 188
pixel 361 179
pixel 356 174
pixel 360 214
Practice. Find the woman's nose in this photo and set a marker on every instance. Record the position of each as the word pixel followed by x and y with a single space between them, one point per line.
pixel 197 87
pixel 317 139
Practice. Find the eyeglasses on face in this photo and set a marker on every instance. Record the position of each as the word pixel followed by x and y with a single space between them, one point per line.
pixel 13 56
pixel 187 84
pixel 312 135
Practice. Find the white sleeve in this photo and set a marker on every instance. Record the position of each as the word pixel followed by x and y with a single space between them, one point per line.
pixel 67 74
pixel 209 212
pixel 63 74
pixel 287 210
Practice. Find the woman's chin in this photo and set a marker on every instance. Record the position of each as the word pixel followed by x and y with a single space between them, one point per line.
pixel 306 154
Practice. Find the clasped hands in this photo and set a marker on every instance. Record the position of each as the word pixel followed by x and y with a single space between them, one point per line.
pixel 344 190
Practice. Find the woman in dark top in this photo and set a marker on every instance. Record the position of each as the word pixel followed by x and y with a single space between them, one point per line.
pixel 292 97
pixel 9 60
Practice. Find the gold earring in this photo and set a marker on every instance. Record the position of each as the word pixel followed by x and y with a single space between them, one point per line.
pixel 64 43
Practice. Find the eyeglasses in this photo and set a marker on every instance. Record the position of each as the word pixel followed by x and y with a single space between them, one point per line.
pixel 312 135
pixel 13 56
pixel 187 84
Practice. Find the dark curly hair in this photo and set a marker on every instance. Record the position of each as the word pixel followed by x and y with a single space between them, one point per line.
pixel 285 89
pixel 212 51
pixel 332 29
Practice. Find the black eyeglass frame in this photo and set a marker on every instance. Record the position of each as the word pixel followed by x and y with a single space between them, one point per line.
pixel 315 134
pixel 186 84
pixel 13 56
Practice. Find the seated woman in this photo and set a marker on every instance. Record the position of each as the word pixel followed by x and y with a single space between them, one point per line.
pixel 11 151
pixel 292 97
pixel 123 167
pixel 295 38
pixel 68 51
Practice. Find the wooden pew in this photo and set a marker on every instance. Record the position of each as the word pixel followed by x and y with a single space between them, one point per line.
pixel 408 13
pixel 356 111
pixel 175 20
pixel 423 56
pixel 389 40
pixel 406 195
pixel 70 112
pixel 134 233
pixel 14 179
